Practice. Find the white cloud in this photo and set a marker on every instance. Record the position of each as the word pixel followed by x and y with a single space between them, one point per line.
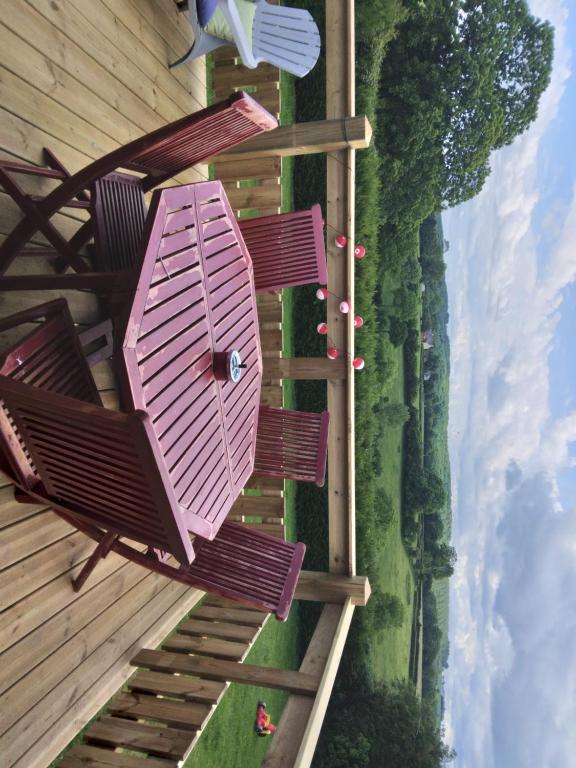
pixel 504 311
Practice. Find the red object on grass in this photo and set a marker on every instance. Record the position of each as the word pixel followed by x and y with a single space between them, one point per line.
pixel 359 251
pixel 358 321
pixel 262 725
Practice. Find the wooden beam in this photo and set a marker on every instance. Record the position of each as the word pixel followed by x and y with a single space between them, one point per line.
pixel 322 658
pixel 228 671
pixel 312 732
pixel 332 588
pixel 304 368
pixel 307 139
pixel 340 215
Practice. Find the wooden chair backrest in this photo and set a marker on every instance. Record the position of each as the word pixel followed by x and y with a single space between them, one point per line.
pixel 50 357
pixel 286 249
pixel 292 445
pixel 175 147
pixel 99 463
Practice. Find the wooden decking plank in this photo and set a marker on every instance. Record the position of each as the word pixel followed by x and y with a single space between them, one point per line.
pixel 176 31
pixel 224 630
pixel 118 731
pixel 181 686
pixel 83 305
pixel 228 671
pixel 103 375
pixel 12 511
pixel 187 715
pixel 29 103
pixel 77 103
pixel 20 697
pixel 53 595
pixel 30 574
pixel 31 535
pixel 175 601
pixel 22 658
pixel 69 674
pixel 33 66
pixel 205 646
pixel 75 44
pixel 88 756
pixel 233 615
pixel 108 24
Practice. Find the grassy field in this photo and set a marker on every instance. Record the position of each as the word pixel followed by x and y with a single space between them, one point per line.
pixel 390 650
pixel 229 740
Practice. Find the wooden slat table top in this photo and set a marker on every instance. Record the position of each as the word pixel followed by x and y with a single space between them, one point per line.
pixel 195 297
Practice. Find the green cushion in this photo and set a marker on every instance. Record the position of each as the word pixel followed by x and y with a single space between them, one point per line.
pixel 218 26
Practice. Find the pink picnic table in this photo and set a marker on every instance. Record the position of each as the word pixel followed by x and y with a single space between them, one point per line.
pixel 192 326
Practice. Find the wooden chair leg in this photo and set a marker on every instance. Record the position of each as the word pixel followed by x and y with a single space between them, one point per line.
pixel 99 553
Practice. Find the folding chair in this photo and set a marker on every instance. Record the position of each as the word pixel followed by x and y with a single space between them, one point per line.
pixel 287 38
pixel 47 352
pixel 286 249
pixel 292 445
pixel 116 202
pixel 97 469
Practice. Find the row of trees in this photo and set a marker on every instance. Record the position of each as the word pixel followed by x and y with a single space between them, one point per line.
pixel 385 726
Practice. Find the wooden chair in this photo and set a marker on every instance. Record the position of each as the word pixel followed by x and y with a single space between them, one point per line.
pixel 240 564
pixel 292 445
pixel 116 201
pixel 49 354
pixel 98 470
pixel 287 38
pixel 286 249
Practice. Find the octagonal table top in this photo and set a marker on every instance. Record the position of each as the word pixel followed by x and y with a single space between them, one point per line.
pixel 194 298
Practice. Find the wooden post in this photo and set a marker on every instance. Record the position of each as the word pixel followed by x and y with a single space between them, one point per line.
pixel 307 139
pixel 299 726
pixel 304 368
pixel 305 684
pixel 332 588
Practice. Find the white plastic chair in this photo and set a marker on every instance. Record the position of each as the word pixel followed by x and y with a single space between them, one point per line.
pixel 287 38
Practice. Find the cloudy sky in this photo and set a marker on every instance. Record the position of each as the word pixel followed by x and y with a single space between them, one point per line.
pixel 511 685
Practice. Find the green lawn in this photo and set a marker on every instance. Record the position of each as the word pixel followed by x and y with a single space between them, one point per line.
pixel 390 650
pixel 229 739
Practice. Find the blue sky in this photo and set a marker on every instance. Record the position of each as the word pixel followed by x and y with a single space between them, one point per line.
pixel 511 685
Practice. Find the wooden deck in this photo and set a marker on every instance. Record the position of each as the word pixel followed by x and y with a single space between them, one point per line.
pixel 94 77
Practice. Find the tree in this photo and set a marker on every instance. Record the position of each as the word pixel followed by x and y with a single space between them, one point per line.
pixel 402 730
pixel 347 750
pixel 432 492
pixel 398 331
pixel 439 561
pixel 460 80
pixel 386 610
pixel 395 414
pixel 407 302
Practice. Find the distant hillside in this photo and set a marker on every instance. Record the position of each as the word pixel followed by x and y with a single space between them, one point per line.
pixel 436 372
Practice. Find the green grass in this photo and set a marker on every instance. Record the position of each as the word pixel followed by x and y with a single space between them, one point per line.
pixel 390 649
pixel 229 739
